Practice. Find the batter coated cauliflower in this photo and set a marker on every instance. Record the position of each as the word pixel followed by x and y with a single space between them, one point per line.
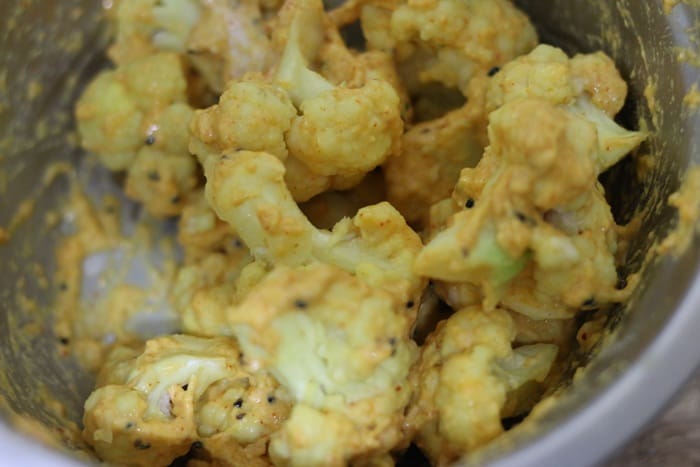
pixel 120 108
pixel 203 289
pixel 150 407
pixel 340 64
pixel 525 177
pixel 548 73
pixel 588 86
pixel 145 27
pixel 221 39
pixel 250 115
pixel 466 372
pixel 451 41
pixel 534 195
pixel 342 350
pixel 574 263
pixel 135 118
pixel 247 190
pixel 228 41
pixel 217 269
pixel 339 134
pixel 306 355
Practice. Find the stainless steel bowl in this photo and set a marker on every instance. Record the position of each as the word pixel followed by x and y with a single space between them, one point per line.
pixel 49 49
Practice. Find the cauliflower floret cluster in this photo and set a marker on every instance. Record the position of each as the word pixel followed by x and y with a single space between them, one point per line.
pixel 588 86
pixel 451 41
pixel 530 226
pixel 376 247
pixel 135 119
pixel 151 406
pixel 442 41
pixel 142 27
pixel 329 136
pixel 169 56
pixel 229 40
pixel 457 44
pixel 248 191
pixel 219 39
pixel 342 350
pixel 469 362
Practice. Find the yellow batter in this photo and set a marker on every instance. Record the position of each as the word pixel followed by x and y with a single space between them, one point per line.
pixel 295 329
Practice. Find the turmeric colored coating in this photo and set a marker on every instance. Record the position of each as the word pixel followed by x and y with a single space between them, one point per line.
pixel 375 247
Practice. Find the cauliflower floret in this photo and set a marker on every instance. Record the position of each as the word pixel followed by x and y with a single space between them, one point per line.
pixel 586 85
pixel 434 153
pixel 217 271
pixel 202 292
pixel 334 120
pixel 303 184
pixel 250 115
pixel 518 163
pixel 544 284
pixel 149 408
pixel 548 73
pixel 463 379
pixel 342 350
pixel 543 73
pixel 111 120
pixel 222 40
pixel 161 181
pixel 575 269
pixel 247 190
pixel 135 118
pixel 148 417
pixel 228 41
pixel 117 427
pixel 596 76
pixel 235 418
pixel 203 288
pixel 376 244
pixel 312 125
pixel 456 40
pixel 310 437
pixel 144 27
pixel 344 66
pixel 441 41
pixel 345 131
